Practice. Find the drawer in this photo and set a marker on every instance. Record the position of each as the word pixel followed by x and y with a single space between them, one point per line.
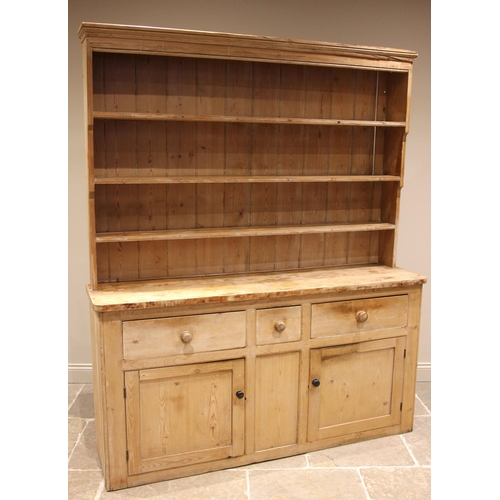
pixel 155 338
pixel 278 324
pixel 354 316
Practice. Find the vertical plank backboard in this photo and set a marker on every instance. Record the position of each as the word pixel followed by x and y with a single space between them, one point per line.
pixel 362 157
pixel 343 82
pixel 97 81
pixel 238 156
pixel 209 158
pixel 318 100
pixel 237 196
pixel 184 86
pixel 290 161
pixel 151 86
pixel 266 89
pixel 211 198
pixel 119 82
pixel 265 102
pixel 152 162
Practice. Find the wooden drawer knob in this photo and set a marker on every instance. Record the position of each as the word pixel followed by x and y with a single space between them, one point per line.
pixel 361 316
pixel 186 337
pixel 279 326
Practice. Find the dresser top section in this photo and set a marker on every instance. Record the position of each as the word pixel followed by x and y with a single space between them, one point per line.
pixel 182 292
pixel 166 41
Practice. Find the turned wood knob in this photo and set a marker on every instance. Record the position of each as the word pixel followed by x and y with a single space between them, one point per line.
pixel 186 337
pixel 361 316
pixel 279 326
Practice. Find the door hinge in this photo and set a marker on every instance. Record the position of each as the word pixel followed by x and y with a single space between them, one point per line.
pixel 404 355
pixel 124 392
pixel 401 407
pixel 126 455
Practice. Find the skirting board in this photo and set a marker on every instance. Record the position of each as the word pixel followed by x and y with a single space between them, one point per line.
pixel 423 372
pixel 82 373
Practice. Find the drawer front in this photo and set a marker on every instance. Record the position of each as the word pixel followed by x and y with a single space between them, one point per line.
pixel 154 338
pixel 354 316
pixel 279 324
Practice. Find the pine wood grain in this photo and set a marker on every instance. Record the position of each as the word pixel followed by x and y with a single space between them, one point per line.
pixel 123 296
pixel 244 201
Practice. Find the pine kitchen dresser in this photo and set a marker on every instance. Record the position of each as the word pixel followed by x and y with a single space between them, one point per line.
pixel 243 215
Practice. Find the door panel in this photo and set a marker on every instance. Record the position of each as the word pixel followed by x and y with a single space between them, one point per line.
pixel 184 415
pixel 360 388
pixel 276 400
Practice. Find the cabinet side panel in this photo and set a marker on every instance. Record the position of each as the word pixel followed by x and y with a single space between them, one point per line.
pixel 89 147
pixel 411 360
pixel 116 477
pixel 98 388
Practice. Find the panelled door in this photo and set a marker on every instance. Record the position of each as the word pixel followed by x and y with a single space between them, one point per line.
pixel 277 386
pixel 183 415
pixel 355 387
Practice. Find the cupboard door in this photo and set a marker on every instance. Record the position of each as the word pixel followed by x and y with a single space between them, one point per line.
pixel 355 388
pixel 184 415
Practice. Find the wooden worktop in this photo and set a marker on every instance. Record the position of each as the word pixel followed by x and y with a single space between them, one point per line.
pixel 178 292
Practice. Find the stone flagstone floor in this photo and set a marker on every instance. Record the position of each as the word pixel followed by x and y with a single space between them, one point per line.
pixel 395 467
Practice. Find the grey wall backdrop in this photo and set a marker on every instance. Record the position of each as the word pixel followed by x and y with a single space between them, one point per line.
pixel 402 24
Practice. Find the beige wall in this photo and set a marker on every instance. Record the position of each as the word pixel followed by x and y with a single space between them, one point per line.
pixel 391 23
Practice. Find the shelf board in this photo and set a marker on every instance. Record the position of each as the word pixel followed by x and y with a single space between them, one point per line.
pixel 237 232
pixel 240 179
pixel 115 115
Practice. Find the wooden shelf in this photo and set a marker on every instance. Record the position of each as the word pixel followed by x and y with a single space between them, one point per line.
pixel 226 165
pixel 231 179
pixel 122 115
pixel 237 232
